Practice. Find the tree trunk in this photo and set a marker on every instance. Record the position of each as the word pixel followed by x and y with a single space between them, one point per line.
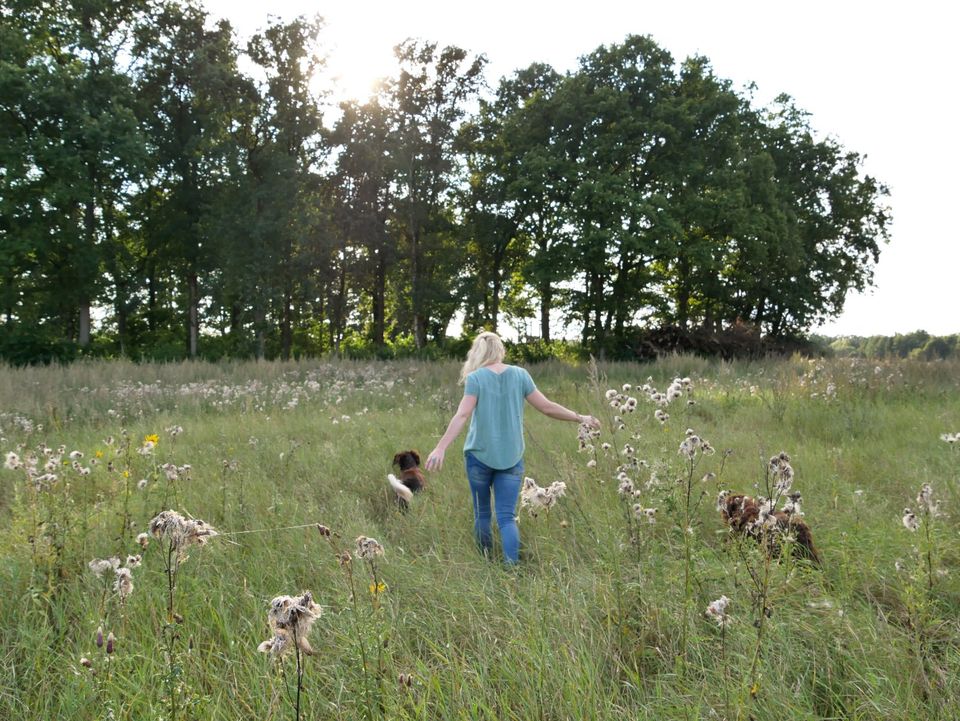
pixel 193 315
pixel 259 322
pixel 120 307
pixel 379 299
pixel 546 304
pixel 83 334
pixel 89 232
pixel 416 292
pixel 683 292
pixel 495 302
pixel 597 294
pixel 286 325
pixel 151 299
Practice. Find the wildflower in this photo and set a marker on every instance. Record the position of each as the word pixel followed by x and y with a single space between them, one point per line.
pixel 368 548
pixel 376 590
pixel 76 455
pixel 290 619
pixel 688 448
pixel 179 531
pixel 926 502
pixel 792 505
pixel 151 438
pixel 909 520
pixel 143 539
pixel 717 611
pixel 12 462
pixel 405 680
pixel 174 472
pixel 344 559
pixel 611 394
pixel 534 498
pixel 782 472
pixel 134 561
pixel 111 642
pixel 648 513
pixel 174 431
pixel 100 565
pixel 123 584
pixel 626 487
pixel 605 446
pixel 661 416
pixel 950 438
pixel 86 662
pixel 626 387
pixel 592 463
pixel 323 530
pixel 142 483
pixel 721 500
pixel 99 637
pixel 708 477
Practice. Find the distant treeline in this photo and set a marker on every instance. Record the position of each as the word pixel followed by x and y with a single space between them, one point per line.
pixel 918 344
pixel 167 191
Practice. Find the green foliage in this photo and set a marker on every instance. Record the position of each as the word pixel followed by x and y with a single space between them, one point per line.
pixel 167 193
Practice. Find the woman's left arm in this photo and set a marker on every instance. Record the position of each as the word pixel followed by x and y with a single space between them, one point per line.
pixel 557 411
pixel 459 420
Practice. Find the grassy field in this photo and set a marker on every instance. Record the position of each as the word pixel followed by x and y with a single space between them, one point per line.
pixel 605 618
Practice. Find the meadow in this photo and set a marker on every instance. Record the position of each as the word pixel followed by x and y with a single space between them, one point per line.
pixel 606 617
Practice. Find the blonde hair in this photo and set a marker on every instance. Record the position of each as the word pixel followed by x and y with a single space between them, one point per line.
pixel 487 348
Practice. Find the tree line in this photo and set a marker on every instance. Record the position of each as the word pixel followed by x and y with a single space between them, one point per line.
pixel 918 345
pixel 167 190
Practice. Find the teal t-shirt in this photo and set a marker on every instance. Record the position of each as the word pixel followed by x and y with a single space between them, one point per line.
pixel 496 429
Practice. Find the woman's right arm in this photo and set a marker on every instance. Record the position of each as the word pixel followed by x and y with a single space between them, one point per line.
pixel 459 420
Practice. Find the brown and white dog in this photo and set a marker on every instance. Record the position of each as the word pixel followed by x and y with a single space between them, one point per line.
pixel 411 477
pixel 747 516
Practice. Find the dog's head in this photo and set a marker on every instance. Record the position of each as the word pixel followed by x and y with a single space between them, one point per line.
pixel 405 460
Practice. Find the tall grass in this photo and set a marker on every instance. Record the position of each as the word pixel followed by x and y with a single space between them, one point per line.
pixel 603 619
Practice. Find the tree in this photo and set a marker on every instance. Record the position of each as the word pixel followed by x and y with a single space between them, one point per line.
pixel 191 93
pixel 288 237
pixel 363 183
pixel 429 100
pixel 77 150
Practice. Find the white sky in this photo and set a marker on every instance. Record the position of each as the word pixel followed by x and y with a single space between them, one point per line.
pixel 878 76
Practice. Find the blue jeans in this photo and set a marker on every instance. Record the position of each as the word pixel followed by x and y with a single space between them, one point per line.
pixel 506 489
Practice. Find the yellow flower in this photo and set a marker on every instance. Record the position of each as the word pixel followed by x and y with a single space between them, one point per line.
pixel 98 454
pixel 376 590
pixel 152 438
pixel 126 474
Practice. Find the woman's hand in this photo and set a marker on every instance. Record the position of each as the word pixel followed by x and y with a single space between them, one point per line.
pixel 435 459
pixel 588 421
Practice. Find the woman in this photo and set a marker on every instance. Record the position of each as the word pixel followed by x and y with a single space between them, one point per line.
pixel 493 395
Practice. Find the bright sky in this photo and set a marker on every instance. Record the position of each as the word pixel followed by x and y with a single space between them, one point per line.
pixel 879 76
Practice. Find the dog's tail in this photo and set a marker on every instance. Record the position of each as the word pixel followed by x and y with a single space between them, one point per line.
pixel 403 493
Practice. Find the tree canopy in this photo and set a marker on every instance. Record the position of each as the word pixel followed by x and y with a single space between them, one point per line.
pixel 168 191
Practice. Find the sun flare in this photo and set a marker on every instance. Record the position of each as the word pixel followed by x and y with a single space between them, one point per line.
pixel 354 70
